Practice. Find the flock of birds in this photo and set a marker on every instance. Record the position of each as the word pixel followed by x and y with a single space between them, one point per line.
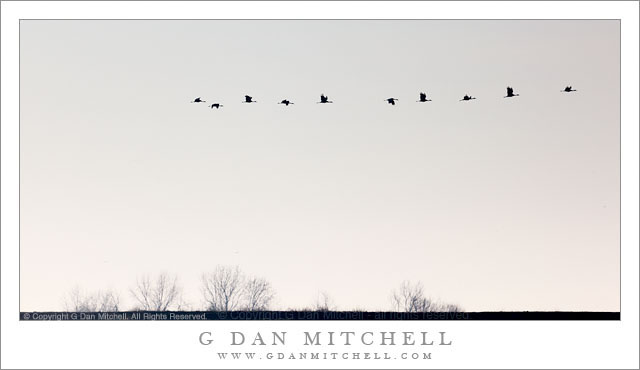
pixel 325 99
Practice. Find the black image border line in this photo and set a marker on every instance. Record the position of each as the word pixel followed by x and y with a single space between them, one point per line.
pixel 472 316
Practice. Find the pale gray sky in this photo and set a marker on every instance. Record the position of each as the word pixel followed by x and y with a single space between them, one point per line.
pixel 494 204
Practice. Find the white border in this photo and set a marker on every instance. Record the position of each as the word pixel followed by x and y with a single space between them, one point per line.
pixel 174 345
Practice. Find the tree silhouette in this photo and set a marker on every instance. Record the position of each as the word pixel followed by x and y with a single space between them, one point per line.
pixel 324 302
pixel 223 288
pixel 159 295
pixel 410 298
pixel 258 294
pixel 228 289
pixel 100 301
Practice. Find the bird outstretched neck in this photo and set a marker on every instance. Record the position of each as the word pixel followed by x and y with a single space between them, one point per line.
pixel 391 101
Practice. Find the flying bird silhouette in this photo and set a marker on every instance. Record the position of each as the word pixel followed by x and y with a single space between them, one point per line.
pixel 467 97
pixel 568 89
pixel 510 93
pixel 248 99
pixel 324 99
pixel 198 100
pixel 216 105
pixel 392 101
pixel 285 102
pixel 423 98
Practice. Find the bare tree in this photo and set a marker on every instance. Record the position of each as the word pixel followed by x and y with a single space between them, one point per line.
pixel 410 298
pixel 79 301
pixel 159 295
pixel 101 301
pixel 228 289
pixel 108 301
pixel 324 302
pixel 223 288
pixel 449 307
pixel 257 294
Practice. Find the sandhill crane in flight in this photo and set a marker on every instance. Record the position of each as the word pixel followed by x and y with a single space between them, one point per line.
pixel 467 97
pixel 423 98
pixel 324 99
pixel 216 105
pixel 568 89
pixel 285 102
pixel 248 99
pixel 392 101
pixel 510 93
pixel 198 100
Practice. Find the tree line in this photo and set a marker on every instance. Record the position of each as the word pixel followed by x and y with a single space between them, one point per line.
pixel 227 288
